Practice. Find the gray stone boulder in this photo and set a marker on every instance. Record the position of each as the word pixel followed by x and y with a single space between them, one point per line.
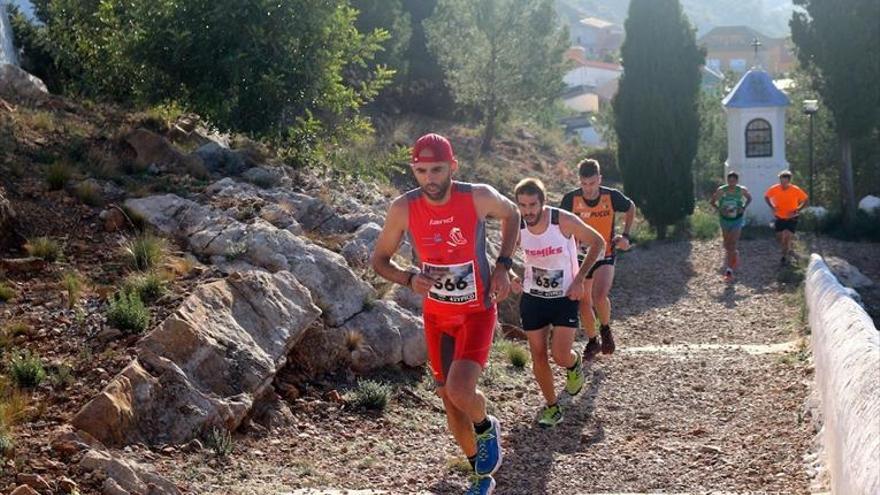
pixel 337 290
pixel 15 82
pixel 358 250
pixel 262 177
pixel 847 274
pixel 206 364
pixel 124 476
pixel 220 159
pixel 384 335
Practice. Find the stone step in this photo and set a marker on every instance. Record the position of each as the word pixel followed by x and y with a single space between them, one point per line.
pixel 755 349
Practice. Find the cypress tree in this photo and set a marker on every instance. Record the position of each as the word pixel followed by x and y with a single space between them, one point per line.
pixel 837 43
pixel 656 111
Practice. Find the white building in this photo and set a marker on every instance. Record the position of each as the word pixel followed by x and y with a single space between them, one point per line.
pixel 756 137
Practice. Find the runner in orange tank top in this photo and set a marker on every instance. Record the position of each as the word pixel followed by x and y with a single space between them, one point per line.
pixel 446 224
pixel 597 206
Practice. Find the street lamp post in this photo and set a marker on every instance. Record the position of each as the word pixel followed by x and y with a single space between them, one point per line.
pixel 810 108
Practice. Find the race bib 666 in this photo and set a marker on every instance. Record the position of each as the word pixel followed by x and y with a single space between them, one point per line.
pixel 453 284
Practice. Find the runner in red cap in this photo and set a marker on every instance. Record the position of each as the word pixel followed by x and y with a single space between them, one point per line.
pixel 445 220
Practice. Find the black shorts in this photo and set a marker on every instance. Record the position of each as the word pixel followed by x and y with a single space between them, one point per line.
pixel 538 312
pixel 789 224
pixel 604 261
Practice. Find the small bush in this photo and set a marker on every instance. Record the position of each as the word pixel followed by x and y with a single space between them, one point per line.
pixel 515 354
pixel 149 286
pixel 43 121
pixel 370 395
pixel 26 369
pixel 90 193
pixel 128 313
pixel 16 328
pixel 704 225
pixel 221 442
pixel 145 251
pixel 73 285
pixel 6 292
pixel 58 175
pixel 7 445
pixel 62 376
pixel 43 247
pixel 235 250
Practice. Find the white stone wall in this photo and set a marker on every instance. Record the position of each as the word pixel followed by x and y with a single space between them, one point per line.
pixel 846 351
pixel 757 174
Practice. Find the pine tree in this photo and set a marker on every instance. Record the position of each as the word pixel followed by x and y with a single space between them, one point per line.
pixel 656 111
pixel 499 56
pixel 838 42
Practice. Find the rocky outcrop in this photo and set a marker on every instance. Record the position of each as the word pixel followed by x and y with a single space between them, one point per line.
pixel 385 335
pixel 210 232
pixel 221 159
pixel 205 365
pixel 314 214
pixel 18 83
pixel 125 476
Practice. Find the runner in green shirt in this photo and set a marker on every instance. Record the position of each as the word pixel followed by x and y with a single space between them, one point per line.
pixel 731 202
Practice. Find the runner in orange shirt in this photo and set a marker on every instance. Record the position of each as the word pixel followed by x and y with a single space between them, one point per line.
pixel 786 200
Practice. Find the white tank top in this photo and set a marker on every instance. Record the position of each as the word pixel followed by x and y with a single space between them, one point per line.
pixel 550 259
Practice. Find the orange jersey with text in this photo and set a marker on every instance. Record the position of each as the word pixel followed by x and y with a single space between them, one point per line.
pixel 598 213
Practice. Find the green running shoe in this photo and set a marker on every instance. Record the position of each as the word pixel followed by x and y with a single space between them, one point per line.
pixel 574 378
pixel 550 416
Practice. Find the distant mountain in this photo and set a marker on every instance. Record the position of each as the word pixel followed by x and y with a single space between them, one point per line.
pixel 769 17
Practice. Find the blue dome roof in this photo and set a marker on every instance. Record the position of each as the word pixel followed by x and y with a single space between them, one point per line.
pixel 755 89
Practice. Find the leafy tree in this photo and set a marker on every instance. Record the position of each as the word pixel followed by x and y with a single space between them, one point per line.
pixel 257 66
pixel 837 43
pixel 656 111
pixel 499 56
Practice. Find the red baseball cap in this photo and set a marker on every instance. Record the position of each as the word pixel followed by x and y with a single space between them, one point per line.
pixel 441 150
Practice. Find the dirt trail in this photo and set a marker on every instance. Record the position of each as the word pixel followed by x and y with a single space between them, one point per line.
pixel 707 393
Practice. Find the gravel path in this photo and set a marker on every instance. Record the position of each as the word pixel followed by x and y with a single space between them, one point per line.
pixel 665 414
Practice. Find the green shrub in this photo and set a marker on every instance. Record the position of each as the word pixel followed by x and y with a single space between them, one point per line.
pixel 43 247
pixel 90 193
pixel 73 285
pixel 704 224
pixel 7 444
pixel 370 395
pixel 16 328
pixel 26 369
pixel 149 286
pixel 145 251
pixel 221 442
pixel 62 377
pixel 58 175
pixel 128 313
pixel 6 292
pixel 515 354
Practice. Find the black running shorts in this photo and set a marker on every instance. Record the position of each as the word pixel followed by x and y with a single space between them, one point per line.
pixel 538 312
pixel 604 261
pixel 789 224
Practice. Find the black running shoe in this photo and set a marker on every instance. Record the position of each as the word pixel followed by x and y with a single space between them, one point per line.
pixel 607 339
pixel 592 349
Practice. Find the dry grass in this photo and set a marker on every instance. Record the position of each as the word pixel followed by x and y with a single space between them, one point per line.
pixel 43 247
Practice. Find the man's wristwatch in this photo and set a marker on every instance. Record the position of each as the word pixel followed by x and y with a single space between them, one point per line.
pixel 506 261
pixel 624 234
